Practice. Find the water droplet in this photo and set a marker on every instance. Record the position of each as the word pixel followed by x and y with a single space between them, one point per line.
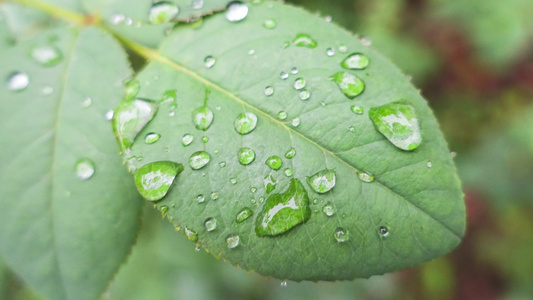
pixel 270 183
pixel 330 52
pixel 269 91
pixel 109 115
pixel 86 102
pixel 299 84
pixel 246 156
pixel 84 169
pixel 288 172
pixel 236 11
pixel 47 56
pixel 349 84
pixel 270 24
pixel 343 48
pixel 341 235
pixel 284 283
pixel 315 201
pixel 366 41
pixel 351 129
pixel 304 40
pixel 117 18
pixel 202 117
pixel 384 231
pixel 197 4
pixel 222 164
pixel 162 12
pixel 397 121
pixel 205 139
pixel 283 75
pixel 282 212
pixel 290 153
pixel 357 109
pixel 274 162
pixel 355 61
pixel 132 88
pixel 305 94
pixel 187 140
pixel 244 214
pixel 328 19
pixel 210 224
pixel 282 115
pixel 233 181
pixel 190 235
pixel 329 209
pixel 245 122
pixel 232 241
pixel 129 119
pixel 209 61
pixel 199 159
pixel 251 52
pixel 253 189
pixel 47 90
pixel 154 180
pixel 429 164
pixel 163 210
pixel 151 138
pixel 365 177
pixel 323 181
pixel 214 196
pixel 200 198
pixel 295 122
pixel 18 81
pixel 197 248
pixel 294 70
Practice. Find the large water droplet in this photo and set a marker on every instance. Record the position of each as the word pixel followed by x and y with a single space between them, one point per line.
pixel 269 91
pixel 246 156
pixel 270 183
pixel 244 214
pixel 232 241
pixel 329 209
pixel 341 235
pixel 290 153
pixel 187 140
pixel 129 119
pixel 84 169
pixel 162 12
pixel 210 224
pixel 209 61
pixel 202 117
pixel 190 235
pixel 397 121
pixel 236 11
pixel 355 61
pixel 154 180
pixel 349 84
pixel 151 138
pixel 284 211
pixel 299 84
pixel 245 122
pixel 304 40
pixel 199 159
pixel 274 162
pixel 270 24
pixel 18 81
pixel 323 181
pixel 47 56
pixel 365 177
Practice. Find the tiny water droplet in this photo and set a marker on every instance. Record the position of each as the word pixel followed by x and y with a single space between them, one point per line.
pixel 243 214
pixel 222 164
pixel 233 181
pixel 151 138
pixel 329 209
pixel 270 183
pixel 210 224
pixel 357 109
pixel 384 231
pixel 245 123
pixel 349 84
pixel 199 159
pixel 269 91
pixel 246 156
pixel 274 162
pixel 162 12
pixel 190 235
pixel 47 90
pixel 365 177
pixel 299 84
pixel 251 52
pixel 328 19
pixel 197 4
pixel 294 70
pixel 343 48
pixel 109 115
pixel 84 169
pixel 355 61
pixel 187 140
pixel 117 18
pixel 330 52
pixel 315 201
pixel 290 153
pixel 283 75
pixel 295 122
pixel 200 198
pixel 197 248
pixel 205 139
pixel 366 41
pixel 304 94
pixel 397 121
pixel 209 61
pixel 284 283
pixel 236 11
pixel 155 179
pixel 253 189
pixel 341 235
pixel 214 196
pixel 202 117
pixel 429 164
pixel 232 241
pixel 304 40
pixel 18 81
pixel 270 24
pixel 86 102
pixel 351 129
pixel 288 172
pixel 322 181
pixel 132 88
pixel 47 56
pixel 453 154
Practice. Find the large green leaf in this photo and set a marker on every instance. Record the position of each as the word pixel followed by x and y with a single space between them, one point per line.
pixel 64 235
pixel 412 211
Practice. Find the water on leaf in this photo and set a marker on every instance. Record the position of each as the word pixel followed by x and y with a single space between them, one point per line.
pixel 341 235
pixel 355 61
pixel 304 94
pixel 199 159
pixel 209 61
pixel 47 56
pixel 205 139
pixel 187 139
pixel 284 75
pixel 295 122
pixel 383 231
pixel 299 84
pixel 190 235
pixel 202 117
pixel 222 164
pixel 84 168
pixel 357 109
pixel 269 91
pixel 236 11
pixel 200 198
pixel 365 177
pixel 284 283
pixel 86 102
pixel 288 172
pixel 210 224
pixel 243 214
pixel 163 210
pixel 151 138
pixel 304 40
pixel 343 48
pixel 270 24
pixel 129 119
pixel 197 4
pixel 282 212
pixel 17 81
pixel 397 121
pixel 330 52
pixel 214 196
pixel 349 84
pixel 246 156
pixel 162 12
pixel 290 153
pixel 282 115
pixel 109 115
pixel 245 122
pixel 365 41
pixel 322 181
pixel 132 88
pixel 329 209
pixel 270 183
pixel 274 162
pixel 154 180
pixel 253 189
pixel 294 70
pixel 233 181
pixel 232 241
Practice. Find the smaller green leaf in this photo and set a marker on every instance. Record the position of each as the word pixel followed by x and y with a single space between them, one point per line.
pixel 154 180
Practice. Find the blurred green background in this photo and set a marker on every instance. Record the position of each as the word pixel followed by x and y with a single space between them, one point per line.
pixel 473 61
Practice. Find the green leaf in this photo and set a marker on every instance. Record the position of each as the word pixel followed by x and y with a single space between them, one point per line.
pixel 68 213
pixel 6 37
pixel 412 211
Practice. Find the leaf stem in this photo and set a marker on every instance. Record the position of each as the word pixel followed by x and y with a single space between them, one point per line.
pixel 57 11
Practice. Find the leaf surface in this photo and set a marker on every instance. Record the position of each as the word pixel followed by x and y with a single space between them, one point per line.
pixel 68 214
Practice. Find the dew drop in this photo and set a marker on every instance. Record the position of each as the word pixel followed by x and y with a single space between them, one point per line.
pixel 154 180
pixel 323 181
pixel 243 214
pixel 85 103
pixel 351 129
pixel 47 90
pixel 84 169
pixel 18 81
pixel 349 84
pixel 232 241
pixel 197 4
pixel 202 117
pixel 199 160
pixel 151 138
pixel 429 164
pixel 209 61
pixel 384 231
pixel 246 156
pixel 251 52
pixel 355 61
pixel 253 189
pixel 330 52
pixel 283 75
pixel 328 19
pixel 210 224
pixel 294 70
pixel 187 139
pixel 236 11
pixel 357 109
pixel 233 181
pixel 222 164
pixel 132 88
pixel 163 210
pixel 343 48
pixel 269 91
pixel 288 172
pixel 304 94
pixel 295 122
pixel 284 283
pixel 397 121
pixel 245 123
pixel 162 12
pixel 304 40
pixel 109 115
pixel 47 56
pixel 366 41
pixel 190 235
pixel 299 84
pixel 329 209
pixel 341 235
pixel 270 24
pixel 214 196
pixel 290 153
pixel 365 177
pixel 274 162
pixel 205 139
pixel 129 119
pixel 200 198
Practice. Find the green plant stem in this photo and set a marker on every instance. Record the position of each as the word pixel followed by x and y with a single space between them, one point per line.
pixel 56 11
